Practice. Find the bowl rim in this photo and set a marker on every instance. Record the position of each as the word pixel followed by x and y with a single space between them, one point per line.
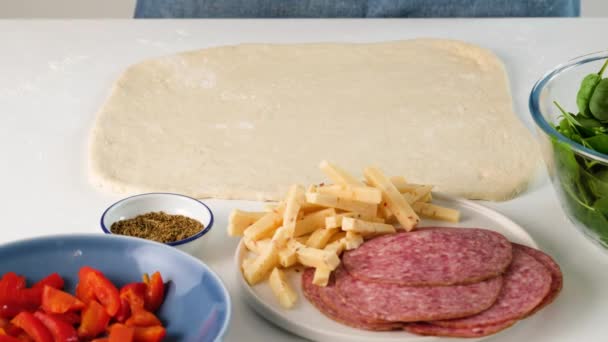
pixel 225 293
pixel 534 107
pixel 174 243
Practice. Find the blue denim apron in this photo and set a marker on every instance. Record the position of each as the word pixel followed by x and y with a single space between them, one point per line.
pixel 355 8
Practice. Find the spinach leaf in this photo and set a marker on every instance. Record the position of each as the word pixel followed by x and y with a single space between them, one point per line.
pixel 599 143
pixel 590 126
pixel 565 159
pixel 601 206
pixel 585 92
pixel 598 183
pixel 598 104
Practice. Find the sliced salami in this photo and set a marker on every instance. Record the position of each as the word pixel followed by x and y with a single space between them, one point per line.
pixel 557 278
pixel 526 283
pixel 435 330
pixel 431 256
pixel 391 302
pixel 326 301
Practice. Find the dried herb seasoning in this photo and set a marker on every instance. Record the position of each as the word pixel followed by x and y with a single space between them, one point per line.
pixel 158 226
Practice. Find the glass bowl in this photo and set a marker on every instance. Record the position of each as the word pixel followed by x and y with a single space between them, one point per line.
pixel 579 174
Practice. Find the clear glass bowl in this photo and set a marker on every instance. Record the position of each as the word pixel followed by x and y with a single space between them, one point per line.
pixel 578 190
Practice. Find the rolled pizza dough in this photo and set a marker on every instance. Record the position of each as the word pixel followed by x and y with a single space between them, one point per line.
pixel 246 121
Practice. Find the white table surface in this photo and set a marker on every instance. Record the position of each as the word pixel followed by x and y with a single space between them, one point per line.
pixel 54 75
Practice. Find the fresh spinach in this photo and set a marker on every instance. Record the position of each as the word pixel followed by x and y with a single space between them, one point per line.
pixel 584 181
pixel 584 94
pixel 598 104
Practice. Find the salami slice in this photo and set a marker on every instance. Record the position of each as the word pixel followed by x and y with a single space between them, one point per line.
pixel 435 330
pixel 391 302
pixel 557 278
pixel 526 283
pixel 431 256
pixel 326 301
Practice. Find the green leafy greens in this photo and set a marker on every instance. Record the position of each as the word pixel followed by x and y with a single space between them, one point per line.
pixel 584 182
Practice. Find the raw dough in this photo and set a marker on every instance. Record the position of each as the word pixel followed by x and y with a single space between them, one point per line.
pixel 246 121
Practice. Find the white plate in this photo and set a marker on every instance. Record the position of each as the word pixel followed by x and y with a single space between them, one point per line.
pixel 305 320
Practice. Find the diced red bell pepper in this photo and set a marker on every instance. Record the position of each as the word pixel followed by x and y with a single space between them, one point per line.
pixel 53 280
pixel 20 300
pixel 107 294
pixel 92 280
pixel 155 292
pixel 61 331
pixel 84 292
pixel 142 318
pixel 121 333
pixel 95 319
pixel 11 281
pixel 13 330
pixel 57 301
pixel 14 297
pixel 70 317
pixel 101 339
pixel 23 337
pixel 149 334
pixel 125 311
pixel 7 338
pixel 32 326
pixel 135 294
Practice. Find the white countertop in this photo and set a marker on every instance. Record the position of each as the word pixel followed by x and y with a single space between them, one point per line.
pixel 54 75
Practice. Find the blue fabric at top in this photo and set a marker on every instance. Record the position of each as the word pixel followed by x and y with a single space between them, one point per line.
pixel 355 8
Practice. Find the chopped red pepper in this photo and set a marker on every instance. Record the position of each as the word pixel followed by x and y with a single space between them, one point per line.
pixel 54 280
pixel 106 293
pixel 84 292
pixel 32 326
pixel 20 300
pixel 121 333
pixel 61 331
pixel 12 330
pixel 134 294
pixel 149 334
pixel 23 337
pixel 70 317
pixel 125 311
pixel 14 297
pixel 95 319
pixel 142 318
pixel 11 281
pixel 98 299
pixel 155 292
pixel 57 301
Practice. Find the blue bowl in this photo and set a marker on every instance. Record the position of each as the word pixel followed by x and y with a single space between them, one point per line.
pixel 196 306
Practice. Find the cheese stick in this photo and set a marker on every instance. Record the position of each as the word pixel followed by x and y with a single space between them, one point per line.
pixel 436 212
pixel 395 201
pixel 239 220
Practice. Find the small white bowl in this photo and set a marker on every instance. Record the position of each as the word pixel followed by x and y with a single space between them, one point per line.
pixel 169 203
